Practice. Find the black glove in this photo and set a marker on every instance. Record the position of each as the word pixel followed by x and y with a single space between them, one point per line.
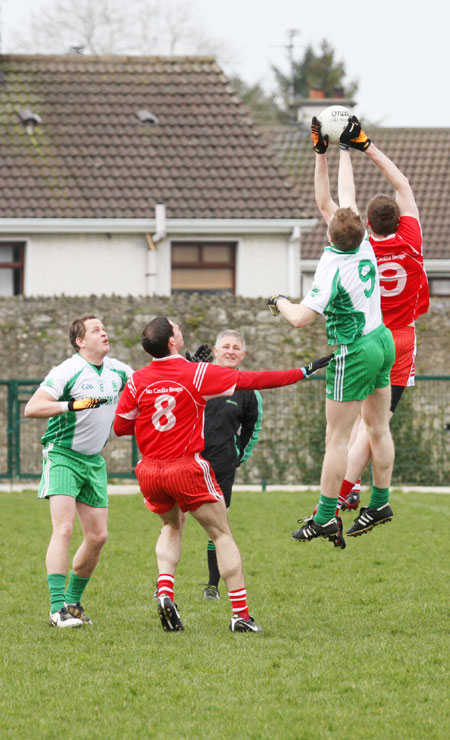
pixel 320 142
pixel 353 135
pixel 316 365
pixel 81 404
pixel 203 353
pixel 272 304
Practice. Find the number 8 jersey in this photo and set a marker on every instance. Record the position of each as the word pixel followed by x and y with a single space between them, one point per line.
pixel 164 402
pixel 404 285
pixel 346 290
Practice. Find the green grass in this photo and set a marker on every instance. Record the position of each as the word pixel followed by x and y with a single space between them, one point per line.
pixel 354 644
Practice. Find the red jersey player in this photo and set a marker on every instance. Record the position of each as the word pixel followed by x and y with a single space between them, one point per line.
pixel 164 404
pixel 396 237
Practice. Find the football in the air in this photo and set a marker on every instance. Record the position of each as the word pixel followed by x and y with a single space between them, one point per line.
pixel 333 121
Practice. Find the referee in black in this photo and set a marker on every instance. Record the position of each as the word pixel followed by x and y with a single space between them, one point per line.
pixel 232 426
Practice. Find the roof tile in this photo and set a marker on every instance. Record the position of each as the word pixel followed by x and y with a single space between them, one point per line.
pixel 92 158
pixel 423 155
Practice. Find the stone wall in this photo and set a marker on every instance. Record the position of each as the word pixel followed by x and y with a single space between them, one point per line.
pixel 33 331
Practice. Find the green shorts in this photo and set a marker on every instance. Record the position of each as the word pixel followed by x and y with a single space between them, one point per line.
pixel 360 367
pixel 69 473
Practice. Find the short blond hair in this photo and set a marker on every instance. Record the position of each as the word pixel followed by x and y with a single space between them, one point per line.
pixel 346 229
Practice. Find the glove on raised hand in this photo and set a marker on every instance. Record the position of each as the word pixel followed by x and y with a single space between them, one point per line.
pixel 320 142
pixel 203 353
pixel 354 136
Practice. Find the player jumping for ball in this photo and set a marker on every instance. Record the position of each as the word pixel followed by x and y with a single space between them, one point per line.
pixel 396 237
pixel 346 290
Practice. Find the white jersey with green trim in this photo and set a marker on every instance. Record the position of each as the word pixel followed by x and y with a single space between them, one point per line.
pixel 346 290
pixel 84 431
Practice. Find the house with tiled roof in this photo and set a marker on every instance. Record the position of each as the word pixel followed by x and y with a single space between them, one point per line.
pixel 423 155
pixel 141 176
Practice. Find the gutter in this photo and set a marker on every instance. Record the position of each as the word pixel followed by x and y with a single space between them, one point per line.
pixel 25 226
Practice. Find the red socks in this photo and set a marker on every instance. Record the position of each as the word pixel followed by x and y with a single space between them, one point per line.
pixel 165 585
pixel 238 600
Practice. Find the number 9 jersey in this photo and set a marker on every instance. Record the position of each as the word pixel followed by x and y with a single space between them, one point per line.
pixel 404 284
pixel 346 290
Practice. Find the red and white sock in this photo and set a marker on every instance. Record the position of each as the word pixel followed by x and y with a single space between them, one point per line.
pixel 165 585
pixel 346 489
pixel 357 487
pixel 238 600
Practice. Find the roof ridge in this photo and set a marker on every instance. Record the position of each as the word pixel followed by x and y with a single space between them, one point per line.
pixel 89 58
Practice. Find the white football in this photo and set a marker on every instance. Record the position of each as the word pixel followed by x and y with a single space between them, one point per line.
pixel 333 121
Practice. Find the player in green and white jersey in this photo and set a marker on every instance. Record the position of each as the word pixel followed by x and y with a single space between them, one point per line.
pixel 79 397
pixel 346 291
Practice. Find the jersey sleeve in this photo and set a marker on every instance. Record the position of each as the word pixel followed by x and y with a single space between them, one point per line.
pixel 320 293
pixel 127 410
pixel 251 425
pixel 410 230
pixel 55 382
pixel 248 380
pixel 213 380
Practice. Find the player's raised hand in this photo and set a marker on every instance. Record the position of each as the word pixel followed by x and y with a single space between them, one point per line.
pixel 203 353
pixel 272 304
pixel 320 142
pixel 316 365
pixel 80 404
pixel 354 135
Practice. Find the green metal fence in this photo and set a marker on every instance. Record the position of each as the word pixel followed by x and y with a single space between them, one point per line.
pixel 20 448
pixel 291 444
pixel 292 440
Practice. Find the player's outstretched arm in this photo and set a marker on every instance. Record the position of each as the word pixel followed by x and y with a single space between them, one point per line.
pixel 42 405
pixel 403 191
pixel 346 182
pixel 296 313
pixel 278 378
pixel 324 201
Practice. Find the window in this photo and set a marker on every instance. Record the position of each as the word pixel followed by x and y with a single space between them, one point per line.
pixel 439 286
pixel 11 268
pixel 203 267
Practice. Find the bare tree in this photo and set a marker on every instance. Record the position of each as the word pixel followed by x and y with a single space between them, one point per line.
pixel 116 27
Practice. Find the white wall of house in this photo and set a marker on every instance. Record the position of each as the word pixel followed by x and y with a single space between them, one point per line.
pixel 85 264
pixel 105 264
pixel 265 266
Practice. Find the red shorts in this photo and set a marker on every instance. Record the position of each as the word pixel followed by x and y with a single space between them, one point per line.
pixel 404 367
pixel 187 481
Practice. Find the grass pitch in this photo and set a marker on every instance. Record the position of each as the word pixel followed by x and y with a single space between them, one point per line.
pixel 355 642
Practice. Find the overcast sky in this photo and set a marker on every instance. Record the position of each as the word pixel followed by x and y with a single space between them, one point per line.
pixel 398 50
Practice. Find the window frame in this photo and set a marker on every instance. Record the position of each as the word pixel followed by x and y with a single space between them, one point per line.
pixel 207 265
pixel 15 264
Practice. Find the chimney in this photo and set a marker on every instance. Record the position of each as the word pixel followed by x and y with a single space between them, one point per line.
pixel 316 103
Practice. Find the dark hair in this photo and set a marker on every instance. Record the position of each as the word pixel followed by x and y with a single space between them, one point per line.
pixel 346 229
pixel 383 215
pixel 77 330
pixel 155 337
